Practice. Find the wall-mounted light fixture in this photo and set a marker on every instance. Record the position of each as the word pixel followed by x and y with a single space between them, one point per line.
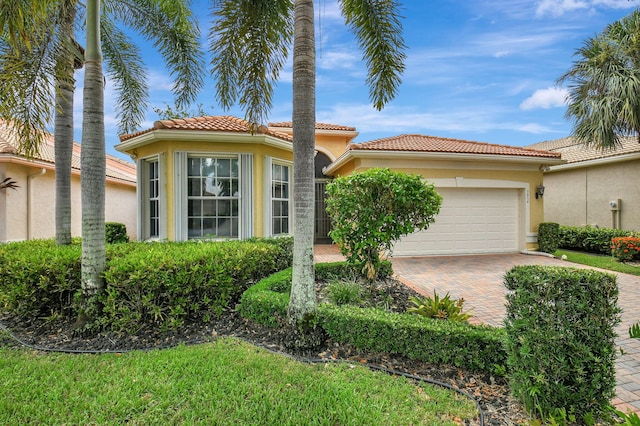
pixel 539 191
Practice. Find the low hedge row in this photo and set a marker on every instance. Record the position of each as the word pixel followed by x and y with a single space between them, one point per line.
pixel 425 339
pixel 145 283
pixel 590 239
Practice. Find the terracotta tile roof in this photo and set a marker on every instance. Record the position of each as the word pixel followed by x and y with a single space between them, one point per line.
pixel 421 143
pixel 574 152
pixel 116 168
pixel 319 126
pixel 224 123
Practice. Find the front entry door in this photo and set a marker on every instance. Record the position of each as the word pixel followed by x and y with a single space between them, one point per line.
pixel 322 220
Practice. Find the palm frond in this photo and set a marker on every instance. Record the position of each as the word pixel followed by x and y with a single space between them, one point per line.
pixel 604 83
pixel 250 42
pixel 173 29
pixel 378 30
pixel 125 68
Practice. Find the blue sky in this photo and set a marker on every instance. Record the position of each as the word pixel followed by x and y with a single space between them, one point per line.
pixel 481 70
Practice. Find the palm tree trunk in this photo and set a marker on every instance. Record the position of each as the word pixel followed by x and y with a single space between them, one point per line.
pixel 303 298
pixel 93 165
pixel 63 137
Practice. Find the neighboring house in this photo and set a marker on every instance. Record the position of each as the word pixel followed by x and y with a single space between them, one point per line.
pixel 594 187
pixel 28 212
pixel 209 177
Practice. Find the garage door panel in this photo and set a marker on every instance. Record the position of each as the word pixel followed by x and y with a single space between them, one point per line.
pixel 471 221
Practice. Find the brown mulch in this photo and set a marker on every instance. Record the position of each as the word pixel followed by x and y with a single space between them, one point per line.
pixel 492 393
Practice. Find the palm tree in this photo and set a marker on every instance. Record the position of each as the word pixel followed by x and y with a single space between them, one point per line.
pixel 45 54
pixel 29 66
pixel 250 42
pixel 604 85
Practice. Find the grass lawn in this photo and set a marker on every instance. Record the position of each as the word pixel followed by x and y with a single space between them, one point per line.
pixel 605 262
pixel 224 382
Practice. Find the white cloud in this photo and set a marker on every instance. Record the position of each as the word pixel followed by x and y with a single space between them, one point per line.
pixel 545 98
pixel 560 7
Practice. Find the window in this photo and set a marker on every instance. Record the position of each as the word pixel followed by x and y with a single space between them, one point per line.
pixel 153 200
pixel 212 197
pixel 279 199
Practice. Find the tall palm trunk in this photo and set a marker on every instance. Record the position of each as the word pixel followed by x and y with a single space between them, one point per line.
pixel 63 134
pixel 303 298
pixel 93 164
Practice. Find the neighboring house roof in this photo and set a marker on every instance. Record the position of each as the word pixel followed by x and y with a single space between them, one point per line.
pixel 573 151
pixel 421 143
pixel 319 126
pixel 115 168
pixel 208 123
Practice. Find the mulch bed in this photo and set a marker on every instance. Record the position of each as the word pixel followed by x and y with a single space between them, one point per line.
pixel 492 393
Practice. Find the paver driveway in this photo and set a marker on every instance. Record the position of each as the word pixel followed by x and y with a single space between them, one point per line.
pixel 479 280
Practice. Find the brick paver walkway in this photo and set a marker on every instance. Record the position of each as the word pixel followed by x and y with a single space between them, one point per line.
pixel 479 280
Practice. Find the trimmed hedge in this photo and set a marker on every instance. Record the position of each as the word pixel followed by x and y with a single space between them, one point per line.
pixel 590 239
pixel 116 233
pixel 560 325
pixel 145 283
pixel 425 339
pixel 548 237
pixel 39 278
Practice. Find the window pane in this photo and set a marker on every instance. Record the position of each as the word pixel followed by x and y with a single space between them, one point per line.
pixel 285 226
pixel 209 228
pixel 277 211
pixel 224 168
pixel 276 227
pixel 234 168
pixel 208 208
pixel 213 197
pixel 195 187
pixel 285 190
pixel 195 227
pixel 193 165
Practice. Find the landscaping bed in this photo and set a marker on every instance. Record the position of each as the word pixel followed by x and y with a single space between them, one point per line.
pixel 492 393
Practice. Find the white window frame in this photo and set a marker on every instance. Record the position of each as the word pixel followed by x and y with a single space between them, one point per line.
pixel 269 198
pixel 244 196
pixel 145 197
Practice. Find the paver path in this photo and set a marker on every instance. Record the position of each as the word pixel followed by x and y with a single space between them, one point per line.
pixel 479 280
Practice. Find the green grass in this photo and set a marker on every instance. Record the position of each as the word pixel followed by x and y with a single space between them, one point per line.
pixel 224 382
pixel 605 262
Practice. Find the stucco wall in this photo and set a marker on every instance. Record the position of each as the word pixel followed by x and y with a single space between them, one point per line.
pixel 577 197
pixel 29 211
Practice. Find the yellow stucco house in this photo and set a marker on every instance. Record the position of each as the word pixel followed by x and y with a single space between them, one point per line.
pixel 209 177
pixel 28 212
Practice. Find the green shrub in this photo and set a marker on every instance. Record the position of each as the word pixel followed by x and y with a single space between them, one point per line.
pixel 460 344
pixel 419 338
pixel 344 293
pixel 590 239
pixel 548 237
pixel 371 210
pixel 267 302
pixel 162 284
pixel 625 249
pixel 168 283
pixel 560 326
pixel 444 308
pixel 116 233
pixel 39 278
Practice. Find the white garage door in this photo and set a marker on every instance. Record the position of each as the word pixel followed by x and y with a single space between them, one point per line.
pixel 471 220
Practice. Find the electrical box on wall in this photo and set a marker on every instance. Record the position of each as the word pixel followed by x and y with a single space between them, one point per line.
pixel 615 204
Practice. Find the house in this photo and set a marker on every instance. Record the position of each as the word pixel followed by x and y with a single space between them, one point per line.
pixel 28 212
pixel 594 187
pixel 209 177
